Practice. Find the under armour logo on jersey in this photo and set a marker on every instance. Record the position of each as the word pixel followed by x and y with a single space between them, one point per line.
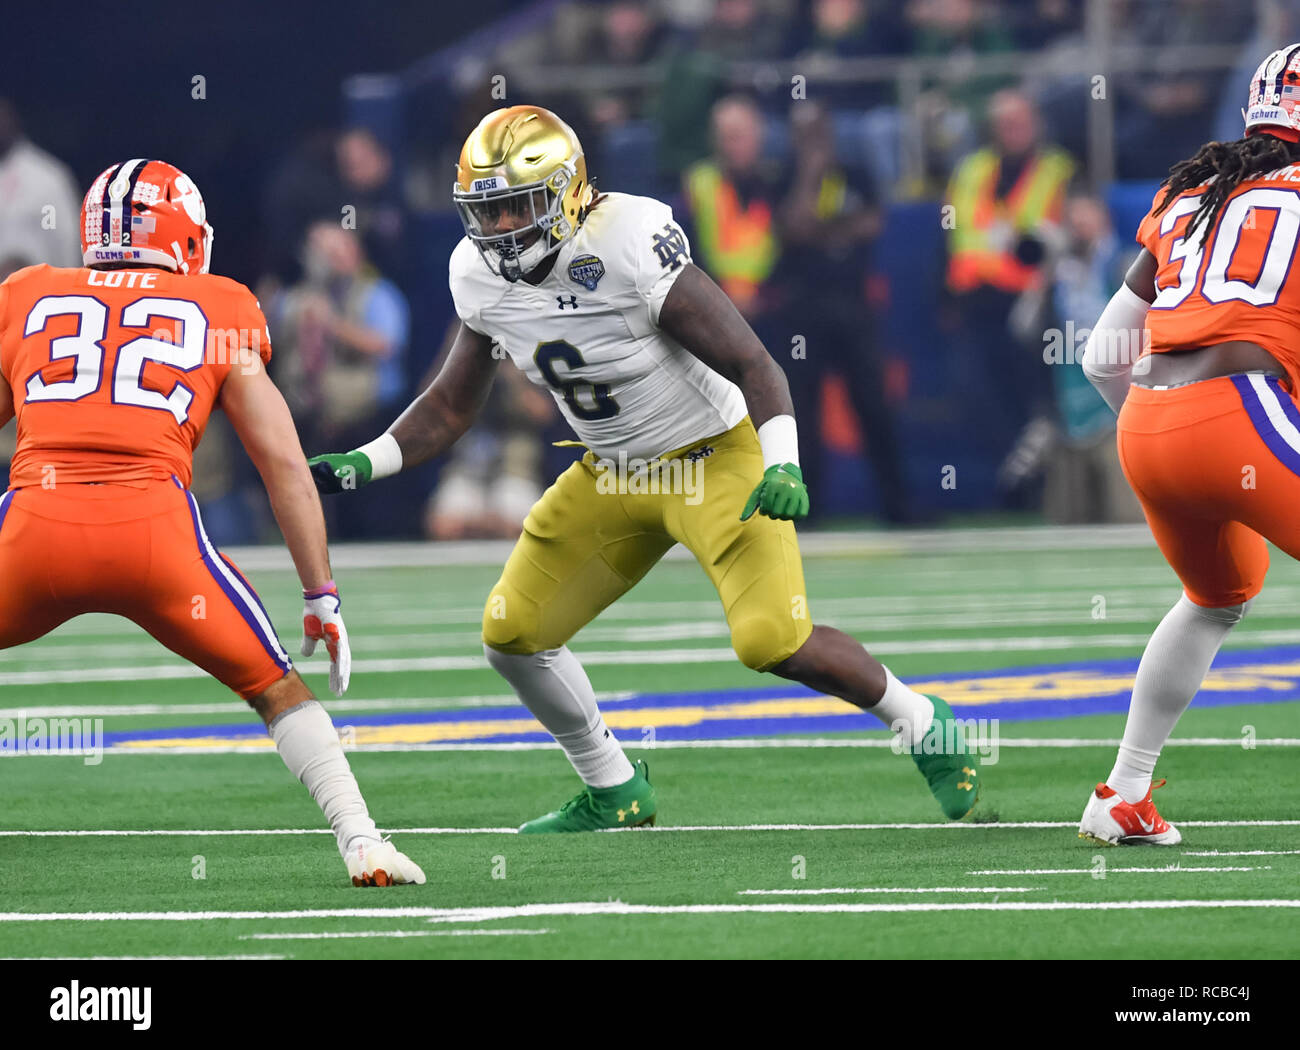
pixel 567 300
pixel 670 246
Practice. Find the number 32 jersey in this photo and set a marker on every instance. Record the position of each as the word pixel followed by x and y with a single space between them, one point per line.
pixel 1241 282
pixel 114 372
pixel 590 332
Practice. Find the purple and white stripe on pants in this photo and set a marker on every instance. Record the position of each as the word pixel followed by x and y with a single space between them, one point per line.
pixel 239 593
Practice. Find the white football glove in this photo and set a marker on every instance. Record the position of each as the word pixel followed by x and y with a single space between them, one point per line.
pixel 322 621
pixel 373 863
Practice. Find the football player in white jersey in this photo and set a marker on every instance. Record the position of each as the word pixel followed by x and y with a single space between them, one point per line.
pixel 691 439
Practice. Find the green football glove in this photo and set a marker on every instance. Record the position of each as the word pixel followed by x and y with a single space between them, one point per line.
pixel 340 471
pixel 781 495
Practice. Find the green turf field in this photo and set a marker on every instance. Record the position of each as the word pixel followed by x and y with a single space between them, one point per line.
pixel 782 838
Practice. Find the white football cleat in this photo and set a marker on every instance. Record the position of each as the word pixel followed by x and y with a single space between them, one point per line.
pixel 1110 821
pixel 373 863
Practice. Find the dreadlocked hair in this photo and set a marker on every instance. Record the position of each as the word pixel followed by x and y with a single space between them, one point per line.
pixel 1229 164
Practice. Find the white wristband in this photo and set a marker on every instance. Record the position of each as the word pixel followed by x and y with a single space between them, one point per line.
pixel 385 456
pixel 779 439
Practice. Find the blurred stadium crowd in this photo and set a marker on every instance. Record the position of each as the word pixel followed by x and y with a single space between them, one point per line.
pixel 808 147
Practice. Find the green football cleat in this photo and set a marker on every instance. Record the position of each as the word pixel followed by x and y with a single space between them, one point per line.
pixel 627 805
pixel 948 767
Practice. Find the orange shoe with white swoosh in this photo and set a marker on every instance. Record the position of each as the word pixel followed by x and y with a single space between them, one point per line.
pixel 1110 821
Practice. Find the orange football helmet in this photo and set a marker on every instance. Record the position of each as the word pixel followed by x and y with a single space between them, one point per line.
pixel 146 211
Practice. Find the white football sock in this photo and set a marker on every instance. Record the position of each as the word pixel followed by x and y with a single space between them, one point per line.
pixel 555 688
pixel 309 745
pixel 907 712
pixel 1173 666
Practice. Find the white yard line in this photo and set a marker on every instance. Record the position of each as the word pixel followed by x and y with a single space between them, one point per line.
pixel 262 746
pixel 614 907
pixel 1240 852
pixel 1172 869
pixel 133 958
pixel 386 703
pixel 1126 598
pixel 658 830
pixel 636 657
pixel 378 610
pixel 620 908
pixel 338 936
pixel 68 654
pixel 890 889
pixel 223 832
pixel 1002 539
pixel 104 638
pixel 959 826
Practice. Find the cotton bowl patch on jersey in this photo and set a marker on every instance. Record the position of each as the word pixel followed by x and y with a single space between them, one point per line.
pixel 587 270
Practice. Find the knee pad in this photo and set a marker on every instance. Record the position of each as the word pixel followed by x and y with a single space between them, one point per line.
pixel 1226 615
pixel 510 622
pixel 509 664
pixel 762 642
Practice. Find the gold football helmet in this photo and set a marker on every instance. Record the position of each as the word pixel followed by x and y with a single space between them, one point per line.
pixel 521 188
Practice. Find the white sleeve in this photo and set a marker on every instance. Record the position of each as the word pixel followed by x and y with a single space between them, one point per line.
pixel 1114 345
pixel 460 285
pixel 661 254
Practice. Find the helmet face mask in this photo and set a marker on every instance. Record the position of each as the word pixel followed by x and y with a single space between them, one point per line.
pixel 515 229
pixel 522 188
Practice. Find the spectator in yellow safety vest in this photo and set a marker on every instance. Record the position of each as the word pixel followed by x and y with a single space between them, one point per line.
pixel 732 199
pixel 1004 202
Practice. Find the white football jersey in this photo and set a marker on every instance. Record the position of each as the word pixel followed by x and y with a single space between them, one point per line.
pixel 589 332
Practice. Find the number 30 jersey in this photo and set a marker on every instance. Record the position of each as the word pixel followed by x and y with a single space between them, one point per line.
pixel 590 332
pixel 1240 282
pixel 114 372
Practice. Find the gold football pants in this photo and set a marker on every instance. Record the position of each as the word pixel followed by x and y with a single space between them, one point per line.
pixel 599 529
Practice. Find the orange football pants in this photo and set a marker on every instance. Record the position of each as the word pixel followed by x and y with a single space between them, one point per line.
pixel 1216 466
pixel 139 551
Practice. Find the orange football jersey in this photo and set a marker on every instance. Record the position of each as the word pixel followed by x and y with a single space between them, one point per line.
pixel 114 372
pixel 1236 284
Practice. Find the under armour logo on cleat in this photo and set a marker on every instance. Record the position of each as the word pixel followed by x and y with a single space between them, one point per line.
pixel 635 808
pixel 966 785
